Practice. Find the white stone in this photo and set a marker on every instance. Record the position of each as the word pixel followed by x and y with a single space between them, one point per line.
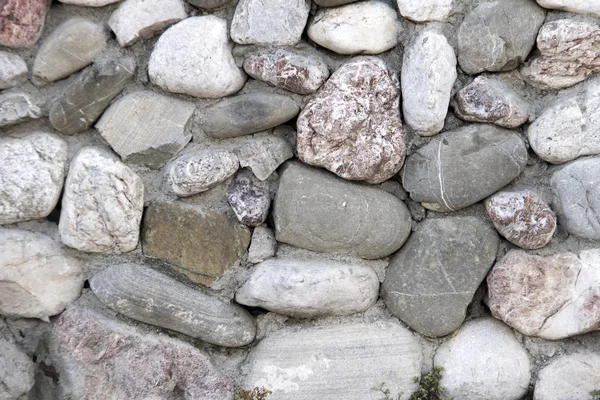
pixel 425 10
pixel 262 246
pixel 484 361
pixel 16 369
pixel 569 377
pixel 193 57
pixel 37 278
pixel 367 27
pixel 102 204
pixel 13 70
pixel 428 74
pixel 89 3
pixel 576 6
pixel 32 173
pixel 264 154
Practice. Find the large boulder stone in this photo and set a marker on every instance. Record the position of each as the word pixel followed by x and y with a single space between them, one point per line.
pixel 102 204
pixel 464 166
pixel 315 210
pixel 37 278
pixel 352 126
pixel 427 10
pixel 432 279
pixel 576 6
pixel 428 74
pixel 17 108
pixel 498 35
pixel 326 361
pixel 32 173
pixel 22 22
pixel 13 70
pixel 193 57
pixel 569 377
pixel 16 370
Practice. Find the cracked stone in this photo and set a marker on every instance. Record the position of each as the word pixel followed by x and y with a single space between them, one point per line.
pixel 576 6
pixel 262 246
pixel 425 10
pixel 249 200
pixel 13 70
pixel 263 155
pixel 22 22
pixel 569 377
pixel 16 108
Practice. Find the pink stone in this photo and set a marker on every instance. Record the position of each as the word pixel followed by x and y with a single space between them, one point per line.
pixel 21 22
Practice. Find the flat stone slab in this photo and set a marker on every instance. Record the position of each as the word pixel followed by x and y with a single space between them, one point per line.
pixel 263 155
pixel 569 377
pixel 262 246
pixel 13 70
pixel 22 22
pixel 17 108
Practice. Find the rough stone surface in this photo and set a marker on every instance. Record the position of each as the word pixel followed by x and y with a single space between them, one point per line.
pixel 263 245
pixel 428 10
pixel 463 166
pixel 21 22
pixel 493 101
pixel 288 70
pixel 199 171
pixel 209 4
pixel 98 358
pixel 366 27
pixel 71 47
pixel 352 127
pixel 428 74
pixel 350 218
pixel 498 35
pixel 193 57
pixel 310 288
pixel 13 70
pixel 248 113
pixel 264 154
pixel 88 96
pixel 142 19
pixel 32 173
pixel 333 3
pixel 269 22
pixel 102 204
pixel 484 361
pixel 551 297
pixel 16 369
pixel 432 279
pixel 576 6
pixel 569 53
pixel 16 108
pixel 577 197
pixel 89 3
pixel 146 295
pixel 522 217
pixel 569 377
pixel 147 128
pixel 37 278
pixel 198 242
pixel 249 201
pixel 322 362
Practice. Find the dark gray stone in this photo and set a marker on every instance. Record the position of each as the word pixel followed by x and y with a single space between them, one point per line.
pixel 333 3
pixel 249 201
pixel 16 108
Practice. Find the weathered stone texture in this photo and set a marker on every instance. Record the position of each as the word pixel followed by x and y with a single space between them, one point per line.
pixel 22 21
pixel 263 245
pixel 13 70
pixel 249 201
pixel 89 3
pixel 16 369
pixel 16 108
pixel 425 10
pixel 263 155
pixel 576 6
pixel 569 377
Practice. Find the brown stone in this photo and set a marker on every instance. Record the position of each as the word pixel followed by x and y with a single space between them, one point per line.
pixel 198 242
pixel 21 22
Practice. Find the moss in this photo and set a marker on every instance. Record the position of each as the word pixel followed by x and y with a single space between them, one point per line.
pixel 429 386
pixel 595 394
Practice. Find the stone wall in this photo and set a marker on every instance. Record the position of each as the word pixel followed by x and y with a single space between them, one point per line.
pixel 323 199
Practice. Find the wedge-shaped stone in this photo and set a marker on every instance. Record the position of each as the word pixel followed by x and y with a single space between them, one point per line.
pixel 13 70
pixel 569 377
pixel 263 155
pixel 249 200
pixel 16 108
pixel 263 245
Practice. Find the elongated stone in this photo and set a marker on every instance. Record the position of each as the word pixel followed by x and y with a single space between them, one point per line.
pixel 425 10
pixel 22 22
pixel 13 70
pixel 146 295
pixel 16 108
pixel 263 155
pixel 89 3
pixel 263 245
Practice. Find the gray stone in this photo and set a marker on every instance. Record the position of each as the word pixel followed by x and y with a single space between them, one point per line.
pixel 318 211
pixel 248 113
pixel 87 97
pixel 425 10
pixel 70 47
pixel 262 246
pixel 16 370
pixel 498 35
pixel 366 27
pixel 210 4
pixel 102 204
pixel 16 108
pixel 143 19
pixel 428 75
pixel 147 128
pixel 333 3
pixel 569 377
pixel 352 127
pixel 269 22
pixel 193 57
pixel 310 288
pixel 89 3
pixel 37 278
pixel 432 279
pixel 484 361
pixel 249 201
pixel 22 22
pixel 13 70
pixel 464 166
pixel 576 6
pixel 264 154
pixel 32 173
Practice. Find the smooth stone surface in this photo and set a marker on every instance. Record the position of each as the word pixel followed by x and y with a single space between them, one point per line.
pixel 269 22
pixel 425 10
pixel 463 166
pixel 70 47
pixel 366 27
pixel 209 4
pixel 126 363
pixel 493 101
pixel 146 295
pixel 22 22
pixel 309 288
pixel 87 97
pixel 498 35
pixel 17 371
pixel 569 377
pixel 198 242
pixel 551 297
pixel 142 19
pixel 576 6
pixel 430 282
pixel 484 361
pixel 147 128
pixel 249 201
pixel 13 70
pixel 263 155
pixel 248 113
pixel 89 3
pixel 16 108
pixel 577 197
pixel 322 362
pixel 298 73
pixel 428 74
pixel 352 126
pixel 102 204
pixel 193 57
pixel 262 246
pixel 37 278
pixel 523 218
pixel 351 218
pixel 32 173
